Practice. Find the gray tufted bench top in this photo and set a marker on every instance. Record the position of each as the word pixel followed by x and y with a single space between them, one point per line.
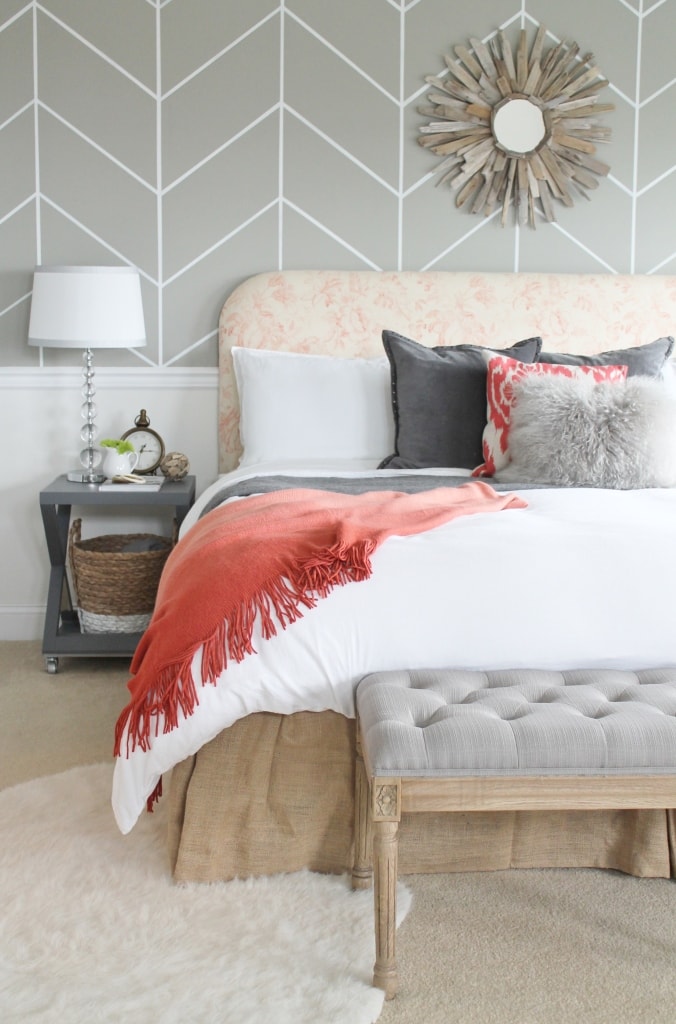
pixel 453 740
pixel 521 722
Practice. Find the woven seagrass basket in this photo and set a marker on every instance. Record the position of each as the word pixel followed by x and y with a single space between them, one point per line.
pixel 116 587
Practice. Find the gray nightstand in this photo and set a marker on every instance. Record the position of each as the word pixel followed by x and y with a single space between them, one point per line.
pixel 62 635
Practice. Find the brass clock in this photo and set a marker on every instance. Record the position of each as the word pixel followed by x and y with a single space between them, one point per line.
pixel 147 444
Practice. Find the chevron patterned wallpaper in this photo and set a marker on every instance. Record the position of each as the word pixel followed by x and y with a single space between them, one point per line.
pixel 207 140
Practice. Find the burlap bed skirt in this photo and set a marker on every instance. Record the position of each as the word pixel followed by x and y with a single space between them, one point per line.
pixel 274 793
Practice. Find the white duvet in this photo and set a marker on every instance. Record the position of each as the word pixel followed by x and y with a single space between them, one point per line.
pixel 580 578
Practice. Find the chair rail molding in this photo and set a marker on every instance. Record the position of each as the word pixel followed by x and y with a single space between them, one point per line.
pixel 118 377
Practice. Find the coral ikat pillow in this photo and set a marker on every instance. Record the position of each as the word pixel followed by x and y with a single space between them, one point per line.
pixel 503 372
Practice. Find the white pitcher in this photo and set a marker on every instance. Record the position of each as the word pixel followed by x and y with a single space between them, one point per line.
pixel 116 464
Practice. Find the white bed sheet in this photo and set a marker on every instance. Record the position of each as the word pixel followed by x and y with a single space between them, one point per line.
pixel 580 578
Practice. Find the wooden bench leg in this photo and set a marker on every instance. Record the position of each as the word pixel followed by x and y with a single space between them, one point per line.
pixel 362 872
pixel 386 815
pixel 385 850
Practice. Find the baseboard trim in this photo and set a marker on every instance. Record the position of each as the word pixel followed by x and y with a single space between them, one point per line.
pixel 22 623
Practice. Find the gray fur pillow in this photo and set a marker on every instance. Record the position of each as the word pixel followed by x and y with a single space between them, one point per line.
pixel 577 433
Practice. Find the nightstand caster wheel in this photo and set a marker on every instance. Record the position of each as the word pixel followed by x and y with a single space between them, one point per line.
pixel 52 665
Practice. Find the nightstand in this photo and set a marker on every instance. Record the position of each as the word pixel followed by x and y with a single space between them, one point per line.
pixel 62 634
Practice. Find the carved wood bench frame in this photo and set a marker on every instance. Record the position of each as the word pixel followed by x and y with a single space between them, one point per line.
pixel 381 800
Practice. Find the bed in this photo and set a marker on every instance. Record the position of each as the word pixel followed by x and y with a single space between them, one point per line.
pixel 261 780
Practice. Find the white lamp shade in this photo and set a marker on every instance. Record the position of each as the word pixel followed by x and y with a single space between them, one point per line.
pixel 86 307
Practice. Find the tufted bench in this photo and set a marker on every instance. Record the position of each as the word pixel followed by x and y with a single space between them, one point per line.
pixel 454 740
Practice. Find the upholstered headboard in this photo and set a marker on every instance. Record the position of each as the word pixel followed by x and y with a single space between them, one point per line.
pixel 343 313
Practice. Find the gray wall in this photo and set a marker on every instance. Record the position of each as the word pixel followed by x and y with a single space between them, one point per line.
pixel 206 140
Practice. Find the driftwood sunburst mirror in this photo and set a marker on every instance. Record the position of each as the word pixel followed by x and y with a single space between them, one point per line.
pixel 517 128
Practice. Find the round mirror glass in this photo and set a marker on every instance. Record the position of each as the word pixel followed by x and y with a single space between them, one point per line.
pixel 519 126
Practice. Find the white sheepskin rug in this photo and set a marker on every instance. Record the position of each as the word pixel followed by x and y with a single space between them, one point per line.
pixel 92 928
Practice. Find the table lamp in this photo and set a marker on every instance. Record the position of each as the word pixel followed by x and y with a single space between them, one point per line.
pixel 87 308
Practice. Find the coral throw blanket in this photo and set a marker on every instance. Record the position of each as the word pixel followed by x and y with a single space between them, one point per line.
pixel 267 557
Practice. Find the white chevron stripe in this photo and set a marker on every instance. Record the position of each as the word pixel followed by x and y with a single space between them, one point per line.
pixel 220 149
pixel 17 302
pixel 17 113
pixel 15 17
pixel 338 53
pixel 192 348
pixel 21 205
pixel 36 143
pixel 97 238
pixel 622 187
pixel 331 234
pixel 340 149
pixel 658 92
pixel 585 248
pixel 159 182
pixel 400 153
pixel 221 53
pixel 280 143
pixel 654 7
pixel 221 242
pixel 479 225
pixel 95 49
pixel 663 263
pixel 656 181
pixel 634 176
pixel 95 145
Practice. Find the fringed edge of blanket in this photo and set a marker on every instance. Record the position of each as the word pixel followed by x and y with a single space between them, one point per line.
pixel 174 691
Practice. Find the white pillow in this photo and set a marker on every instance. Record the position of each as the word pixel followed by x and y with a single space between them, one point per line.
pixel 295 406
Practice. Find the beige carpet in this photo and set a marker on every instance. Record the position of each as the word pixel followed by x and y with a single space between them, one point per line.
pixel 529 947
pixel 52 722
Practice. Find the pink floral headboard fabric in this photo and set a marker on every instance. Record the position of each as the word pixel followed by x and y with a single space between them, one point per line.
pixel 343 313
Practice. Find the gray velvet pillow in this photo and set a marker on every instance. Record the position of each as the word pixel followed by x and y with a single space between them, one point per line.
pixel 577 433
pixel 643 361
pixel 439 400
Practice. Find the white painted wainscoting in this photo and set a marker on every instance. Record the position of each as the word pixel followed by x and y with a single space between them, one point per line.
pixel 39 432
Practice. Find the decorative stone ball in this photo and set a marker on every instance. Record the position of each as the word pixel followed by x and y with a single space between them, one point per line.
pixel 175 465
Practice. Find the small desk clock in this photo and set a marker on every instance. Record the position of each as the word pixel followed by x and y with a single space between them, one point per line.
pixel 147 443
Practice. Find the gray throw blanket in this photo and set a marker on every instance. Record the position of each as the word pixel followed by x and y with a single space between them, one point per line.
pixel 409 483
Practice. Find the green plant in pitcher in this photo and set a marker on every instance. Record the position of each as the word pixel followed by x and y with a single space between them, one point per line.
pixel 120 446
